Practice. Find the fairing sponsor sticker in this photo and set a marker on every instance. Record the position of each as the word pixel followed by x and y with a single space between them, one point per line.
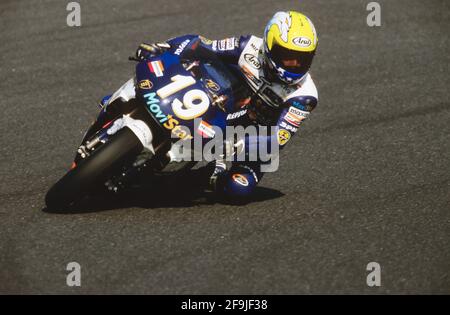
pixel 206 130
pixel 205 40
pixel 182 47
pixel 156 67
pixel 213 86
pixel 283 136
pixel 145 84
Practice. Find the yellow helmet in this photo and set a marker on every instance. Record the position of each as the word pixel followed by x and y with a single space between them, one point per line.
pixel 290 43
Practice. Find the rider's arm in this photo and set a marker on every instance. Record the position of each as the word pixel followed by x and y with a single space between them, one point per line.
pixel 241 179
pixel 197 47
pixel 193 47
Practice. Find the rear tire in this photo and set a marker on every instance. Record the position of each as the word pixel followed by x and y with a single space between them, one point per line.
pixel 93 170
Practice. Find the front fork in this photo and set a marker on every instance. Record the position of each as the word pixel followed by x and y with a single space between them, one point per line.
pixel 116 116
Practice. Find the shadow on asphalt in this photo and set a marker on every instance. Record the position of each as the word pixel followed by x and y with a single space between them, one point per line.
pixel 163 192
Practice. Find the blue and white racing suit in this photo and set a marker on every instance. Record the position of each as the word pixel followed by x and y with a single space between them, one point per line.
pixel 294 103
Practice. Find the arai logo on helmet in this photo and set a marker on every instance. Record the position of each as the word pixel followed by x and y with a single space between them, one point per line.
pixel 252 60
pixel 302 42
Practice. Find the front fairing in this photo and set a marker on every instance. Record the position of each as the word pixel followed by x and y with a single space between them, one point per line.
pixel 156 74
pixel 125 93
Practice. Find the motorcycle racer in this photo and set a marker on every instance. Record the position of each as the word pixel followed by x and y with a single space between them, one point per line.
pixel 276 71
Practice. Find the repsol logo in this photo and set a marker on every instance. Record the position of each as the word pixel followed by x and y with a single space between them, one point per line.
pixel 252 60
pixel 167 121
pixel 236 115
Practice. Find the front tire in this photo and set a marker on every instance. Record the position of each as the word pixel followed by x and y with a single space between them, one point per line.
pixel 93 170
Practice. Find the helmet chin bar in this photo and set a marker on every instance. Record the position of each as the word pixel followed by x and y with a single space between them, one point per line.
pixel 274 75
pixel 270 72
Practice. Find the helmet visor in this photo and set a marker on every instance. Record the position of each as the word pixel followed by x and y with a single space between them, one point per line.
pixel 290 60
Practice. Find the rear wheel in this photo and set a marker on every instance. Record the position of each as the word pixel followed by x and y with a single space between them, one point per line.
pixel 94 170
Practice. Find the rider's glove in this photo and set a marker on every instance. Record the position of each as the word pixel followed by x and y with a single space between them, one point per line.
pixel 220 168
pixel 146 51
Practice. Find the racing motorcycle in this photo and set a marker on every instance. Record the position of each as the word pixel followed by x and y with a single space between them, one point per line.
pixel 137 127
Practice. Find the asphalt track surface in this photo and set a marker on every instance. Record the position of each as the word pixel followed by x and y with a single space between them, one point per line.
pixel 367 179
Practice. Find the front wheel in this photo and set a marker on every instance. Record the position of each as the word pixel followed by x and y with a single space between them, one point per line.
pixel 94 170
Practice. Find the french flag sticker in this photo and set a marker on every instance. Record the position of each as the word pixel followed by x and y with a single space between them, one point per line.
pixel 156 67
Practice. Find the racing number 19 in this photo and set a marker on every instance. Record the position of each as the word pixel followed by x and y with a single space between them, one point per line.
pixel 195 102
